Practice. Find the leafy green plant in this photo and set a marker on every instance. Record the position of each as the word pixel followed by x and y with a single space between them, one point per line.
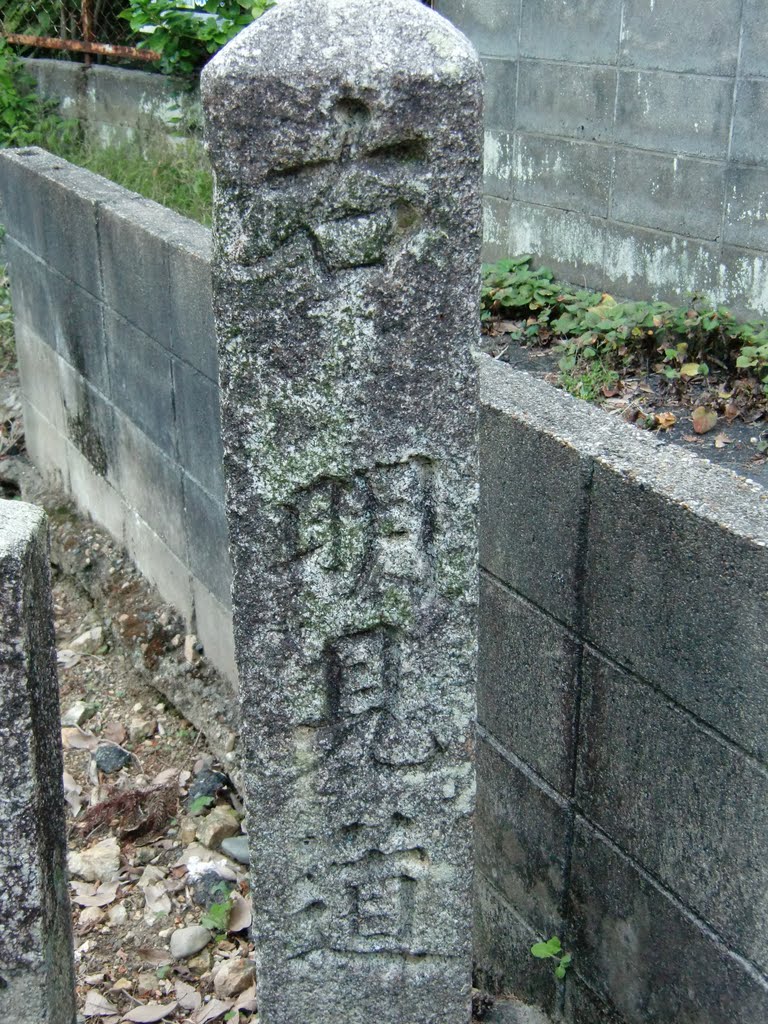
pixel 553 950
pixel 25 119
pixel 680 342
pixel 199 804
pixel 187 32
pixel 7 351
pixel 216 917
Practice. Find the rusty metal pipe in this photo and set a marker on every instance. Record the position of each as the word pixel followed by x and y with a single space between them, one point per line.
pixel 76 46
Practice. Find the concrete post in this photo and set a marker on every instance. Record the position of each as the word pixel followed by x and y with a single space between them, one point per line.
pixel 37 981
pixel 346 140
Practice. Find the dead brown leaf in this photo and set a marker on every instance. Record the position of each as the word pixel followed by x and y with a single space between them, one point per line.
pixel 665 420
pixel 149 1013
pixel 703 419
pixel 212 1011
pixel 721 440
pixel 75 738
pixel 240 915
pixel 153 955
pixel 96 1005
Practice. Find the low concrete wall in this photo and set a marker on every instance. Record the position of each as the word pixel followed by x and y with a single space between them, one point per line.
pixel 115 104
pixel 623 704
pixel 112 300
pixel 625 141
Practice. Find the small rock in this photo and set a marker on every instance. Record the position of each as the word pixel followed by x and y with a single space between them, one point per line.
pixel 236 847
pixel 79 713
pixel 98 863
pixel 89 641
pixel 140 729
pixel 200 964
pixel 191 653
pixel 117 915
pixel 187 831
pixel 186 942
pixel 110 758
pixel 146 983
pixel 114 732
pixel 207 782
pixel 221 823
pixel 233 977
pixel 90 917
pixel 122 985
pixel 209 888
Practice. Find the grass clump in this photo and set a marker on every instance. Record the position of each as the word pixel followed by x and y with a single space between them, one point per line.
pixel 599 338
pixel 173 172
pixel 7 344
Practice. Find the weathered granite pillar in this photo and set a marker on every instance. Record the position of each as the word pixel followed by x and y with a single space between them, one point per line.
pixel 37 982
pixel 345 136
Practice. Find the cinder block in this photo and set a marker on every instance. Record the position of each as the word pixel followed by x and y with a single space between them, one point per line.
pixel 500 93
pixel 493 26
pixel 207 540
pixel 135 264
pixel 498 169
pixel 93 495
pixel 746 211
pixel 495 229
pixel 580 30
pixel 669 193
pixel 502 943
pixel 214 630
pixel 754 40
pixel 39 374
pixel 47 448
pixel 643 955
pixel 533 499
pixel 52 209
pixel 159 564
pixel 526 683
pixel 118 96
pixel 60 313
pixel 89 421
pixel 687 610
pixel 150 484
pixel 680 801
pixel 198 428
pixel 571 244
pixel 750 121
pixel 572 175
pixel 521 837
pixel 744 282
pixel 140 372
pixel 681 35
pixel 642 264
pixel 561 99
pixel 679 114
pixel 60 80
pixel 191 328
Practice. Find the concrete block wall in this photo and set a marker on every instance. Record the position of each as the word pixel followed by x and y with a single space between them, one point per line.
pixel 623 691
pixel 626 141
pixel 623 717
pixel 116 104
pixel 115 338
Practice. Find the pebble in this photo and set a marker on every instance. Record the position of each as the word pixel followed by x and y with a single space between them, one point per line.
pixel 117 915
pixel 236 847
pixel 233 977
pixel 98 863
pixel 207 782
pixel 221 823
pixel 89 641
pixel 110 758
pixel 80 712
pixel 188 941
pixel 141 729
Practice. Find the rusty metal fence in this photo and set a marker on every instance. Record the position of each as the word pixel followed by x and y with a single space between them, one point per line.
pixel 86 27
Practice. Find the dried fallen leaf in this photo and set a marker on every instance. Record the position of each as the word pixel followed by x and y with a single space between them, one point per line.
pixel 240 915
pixel 721 440
pixel 72 794
pixel 152 955
pixel 731 411
pixel 703 419
pixel 665 420
pixel 67 659
pixel 75 738
pixel 611 390
pixel 247 1000
pixel 188 997
pixel 97 1006
pixel 102 897
pixel 689 370
pixel 166 776
pixel 212 1011
pixel 149 1013
pixel 692 438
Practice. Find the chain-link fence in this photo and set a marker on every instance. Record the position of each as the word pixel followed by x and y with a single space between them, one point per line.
pixel 82 27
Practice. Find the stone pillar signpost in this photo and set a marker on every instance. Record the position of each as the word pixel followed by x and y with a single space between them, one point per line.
pixel 37 975
pixel 346 141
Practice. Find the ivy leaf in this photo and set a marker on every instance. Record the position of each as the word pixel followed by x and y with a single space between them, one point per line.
pixel 703 419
